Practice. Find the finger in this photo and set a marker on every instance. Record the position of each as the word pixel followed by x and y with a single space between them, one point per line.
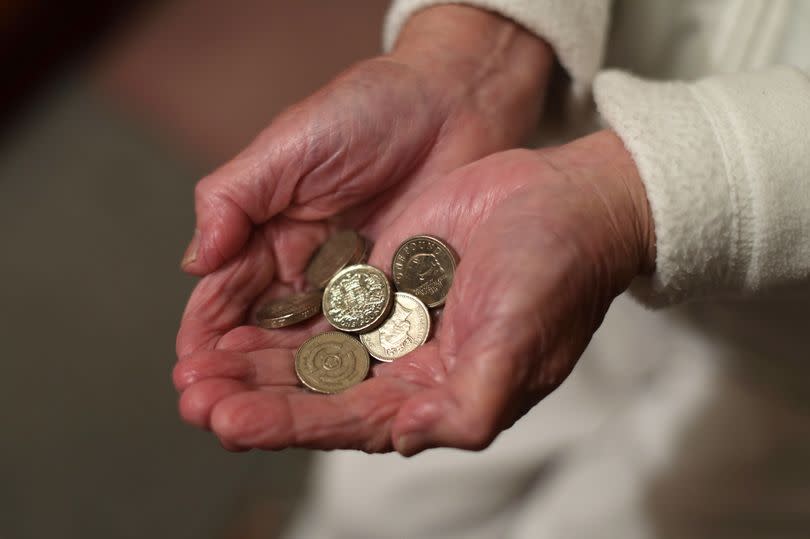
pixel 255 187
pixel 210 364
pixel 197 400
pixel 272 367
pixel 326 154
pixel 359 418
pixel 248 338
pixel 220 301
pixel 246 192
pixel 475 404
pixel 292 243
pixel 224 299
pixel 465 412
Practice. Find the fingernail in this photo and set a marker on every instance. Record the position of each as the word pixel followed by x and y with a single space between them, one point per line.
pixel 191 251
pixel 409 445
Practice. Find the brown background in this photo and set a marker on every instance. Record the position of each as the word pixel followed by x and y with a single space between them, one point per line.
pixel 105 130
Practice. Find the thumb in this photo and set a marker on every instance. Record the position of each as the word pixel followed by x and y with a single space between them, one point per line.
pixel 470 408
pixel 494 338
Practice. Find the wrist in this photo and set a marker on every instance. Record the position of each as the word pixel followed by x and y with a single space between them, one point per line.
pixel 484 63
pixel 609 170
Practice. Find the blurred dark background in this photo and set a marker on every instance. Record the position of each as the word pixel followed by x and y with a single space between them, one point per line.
pixel 110 112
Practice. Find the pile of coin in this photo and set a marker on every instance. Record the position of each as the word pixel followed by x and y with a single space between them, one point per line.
pixel 373 319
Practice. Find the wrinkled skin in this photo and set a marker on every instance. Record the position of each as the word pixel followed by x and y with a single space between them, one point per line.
pixel 546 240
pixel 367 142
pixel 354 154
pixel 460 84
pixel 393 147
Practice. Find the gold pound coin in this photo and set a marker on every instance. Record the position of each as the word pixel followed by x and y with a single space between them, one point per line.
pixel 283 312
pixel 344 248
pixel 424 266
pixel 406 329
pixel 331 362
pixel 357 299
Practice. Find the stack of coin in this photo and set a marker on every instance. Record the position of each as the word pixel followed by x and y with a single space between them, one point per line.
pixel 289 310
pixel 359 299
pixel 343 248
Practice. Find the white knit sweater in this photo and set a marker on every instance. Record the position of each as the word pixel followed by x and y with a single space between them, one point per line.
pixel 702 406
pixel 726 159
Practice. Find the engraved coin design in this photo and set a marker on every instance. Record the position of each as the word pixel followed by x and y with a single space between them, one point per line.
pixel 406 329
pixel 358 298
pixel 331 362
pixel 344 248
pixel 283 312
pixel 424 266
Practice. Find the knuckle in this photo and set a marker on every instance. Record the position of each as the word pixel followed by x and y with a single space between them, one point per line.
pixel 230 421
pixel 202 188
pixel 244 423
pixel 207 190
pixel 479 440
pixel 194 407
pixel 182 375
pixel 475 436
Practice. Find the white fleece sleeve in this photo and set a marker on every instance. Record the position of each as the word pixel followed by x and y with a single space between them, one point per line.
pixel 726 165
pixel 575 29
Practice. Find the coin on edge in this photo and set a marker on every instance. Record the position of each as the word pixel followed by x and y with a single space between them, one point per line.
pixel 424 266
pixel 286 311
pixel 406 329
pixel 344 248
pixel 331 362
pixel 357 299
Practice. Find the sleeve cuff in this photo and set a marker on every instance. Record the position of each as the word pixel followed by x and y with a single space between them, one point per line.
pixel 725 164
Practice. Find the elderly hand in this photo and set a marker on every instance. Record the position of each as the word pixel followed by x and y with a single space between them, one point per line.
pixel 461 84
pixel 546 240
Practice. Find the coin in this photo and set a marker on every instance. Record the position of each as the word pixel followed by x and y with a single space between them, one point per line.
pixel 331 362
pixel 405 329
pixel 424 266
pixel 283 312
pixel 357 299
pixel 344 248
